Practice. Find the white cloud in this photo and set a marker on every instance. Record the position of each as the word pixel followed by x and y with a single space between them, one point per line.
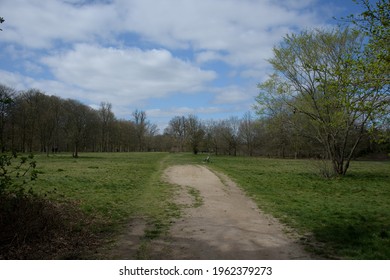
pixel 232 95
pixel 126 75
pixel 182 111
pixel 38 24
pixel 123 51
pixel 259 75
pixel 21 82
pixel 246 30
pixel 206 56
pixel 14 80
pixel 32 67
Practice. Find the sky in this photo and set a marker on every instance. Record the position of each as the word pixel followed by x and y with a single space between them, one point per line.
pixel 165 57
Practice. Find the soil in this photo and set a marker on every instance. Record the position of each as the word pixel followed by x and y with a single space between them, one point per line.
pixel 219 222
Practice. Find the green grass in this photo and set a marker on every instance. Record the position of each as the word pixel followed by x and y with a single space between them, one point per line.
pixel 347 218
pixel 198 200
pixel 350 216
pixel 114 187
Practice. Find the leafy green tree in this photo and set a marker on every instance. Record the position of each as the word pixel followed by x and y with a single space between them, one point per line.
pixel 374 21
pixel 320 77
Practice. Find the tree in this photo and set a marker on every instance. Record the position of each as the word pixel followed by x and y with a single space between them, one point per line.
pixel 375 23
pixel 177 129
pixel 32 121
pixel 151 132
pixel 1 21
pixel 125 132
pixel 319 76
pixel 141 125
pixel 6 100
pixel 195 133
pixel 213 136
pixel 247 132
pixel 107 118
pixel 77 123
pixel 53 127
pixel 230 133
pixel 33 108
pixel 49 122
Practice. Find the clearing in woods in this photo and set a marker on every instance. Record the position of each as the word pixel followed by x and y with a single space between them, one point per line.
pixel 171 206
pixel 218 222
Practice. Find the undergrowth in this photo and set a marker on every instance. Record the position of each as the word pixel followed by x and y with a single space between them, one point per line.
pixel 36 228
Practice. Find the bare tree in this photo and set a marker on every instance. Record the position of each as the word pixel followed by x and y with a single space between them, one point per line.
pixel 195 133
pixel 6 99
pixel 177 129
pixel 213 136
pixel 230 132
pixel 50 123
pixel 141 125
pixel 77 120
pixel 247 132
pixel 107 119
pixel 124 134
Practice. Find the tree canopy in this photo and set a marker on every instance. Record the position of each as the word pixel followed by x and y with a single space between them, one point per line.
pixel 322 77
pixel 374 21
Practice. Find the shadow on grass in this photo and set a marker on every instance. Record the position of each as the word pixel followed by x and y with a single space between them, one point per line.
pixel 36 228
pixel 366 239
pixel 362 175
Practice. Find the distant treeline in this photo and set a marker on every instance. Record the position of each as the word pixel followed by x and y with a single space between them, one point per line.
pixel 32 121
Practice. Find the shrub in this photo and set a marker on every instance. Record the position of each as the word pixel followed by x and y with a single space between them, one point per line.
pixel 14 171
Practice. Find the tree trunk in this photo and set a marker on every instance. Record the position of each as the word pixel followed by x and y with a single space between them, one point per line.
pixel 76 151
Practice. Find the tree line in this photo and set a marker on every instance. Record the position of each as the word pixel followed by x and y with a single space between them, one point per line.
pixel 32 121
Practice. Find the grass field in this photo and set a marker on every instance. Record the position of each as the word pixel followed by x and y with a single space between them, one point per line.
pixel 347 218
pixel 113 188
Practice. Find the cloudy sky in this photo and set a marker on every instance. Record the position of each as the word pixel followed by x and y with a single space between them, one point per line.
pixel 166 57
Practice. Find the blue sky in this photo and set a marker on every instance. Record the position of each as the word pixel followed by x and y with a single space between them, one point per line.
pixel 167 57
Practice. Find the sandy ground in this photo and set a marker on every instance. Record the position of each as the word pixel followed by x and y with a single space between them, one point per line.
pixel 222 224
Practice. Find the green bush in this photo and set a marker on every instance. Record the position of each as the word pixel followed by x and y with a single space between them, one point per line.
pixel 14 173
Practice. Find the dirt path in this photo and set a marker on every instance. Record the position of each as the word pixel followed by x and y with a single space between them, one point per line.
pixel 220 222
